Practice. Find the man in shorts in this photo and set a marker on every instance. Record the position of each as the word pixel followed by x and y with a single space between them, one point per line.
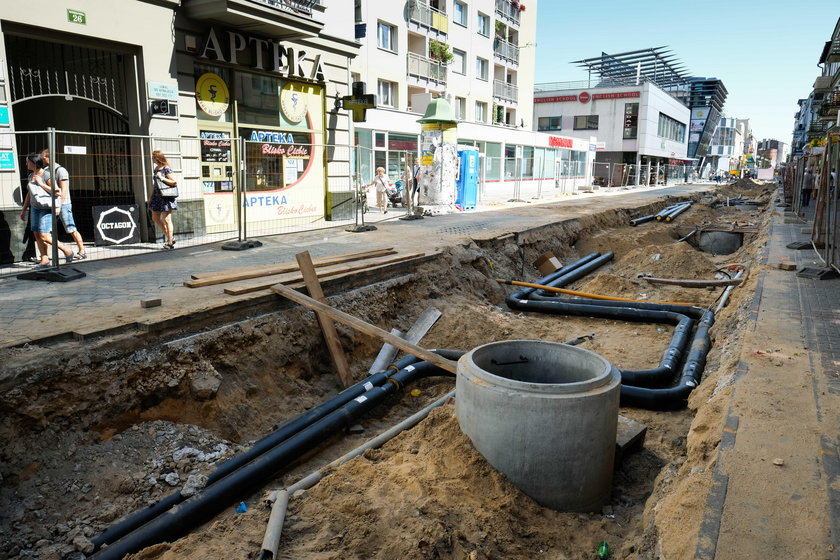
pixel 63 178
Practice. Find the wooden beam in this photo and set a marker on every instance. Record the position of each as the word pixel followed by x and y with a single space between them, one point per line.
pixel 265 284
pixel 366 328
pixel 281 268
pixel 310 278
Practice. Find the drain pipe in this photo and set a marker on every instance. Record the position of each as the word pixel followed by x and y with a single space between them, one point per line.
pixel 200 508
pixel 283 432
pixel 677 212
pixel 725 297
pixel 643 220
pixel 271 540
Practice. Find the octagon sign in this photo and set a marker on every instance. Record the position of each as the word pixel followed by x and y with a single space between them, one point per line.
pixel 115 225
pixel 583 97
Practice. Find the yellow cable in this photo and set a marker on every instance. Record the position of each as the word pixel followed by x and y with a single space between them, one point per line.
pixel 587 295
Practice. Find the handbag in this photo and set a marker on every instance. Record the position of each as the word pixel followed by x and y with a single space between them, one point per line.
pixel 164 189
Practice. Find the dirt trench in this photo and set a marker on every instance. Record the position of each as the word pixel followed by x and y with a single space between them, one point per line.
pixel 118 427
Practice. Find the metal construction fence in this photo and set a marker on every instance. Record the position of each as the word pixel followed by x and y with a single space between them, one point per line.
pixel 820 205
pixel 630 175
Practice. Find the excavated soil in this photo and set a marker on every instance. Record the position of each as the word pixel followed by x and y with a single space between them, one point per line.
pixel 116 428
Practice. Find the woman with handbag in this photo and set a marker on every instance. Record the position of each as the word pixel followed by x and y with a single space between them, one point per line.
pixel 162 198
pixel 39 204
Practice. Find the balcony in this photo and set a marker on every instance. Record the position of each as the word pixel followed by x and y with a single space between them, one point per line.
pixel 822 84
pixel 426 69
pixel 833 51
pixel 281 19
pixel 505 91
pixel 817 129
pixel 508 10
pixel 424 15
pixel 505 50
pixel 830 106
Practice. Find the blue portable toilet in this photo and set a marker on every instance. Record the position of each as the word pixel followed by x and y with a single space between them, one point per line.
pixel 467 183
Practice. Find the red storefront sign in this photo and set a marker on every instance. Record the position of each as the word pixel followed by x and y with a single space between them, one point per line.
pixel 583 97
pixel 557 142
pixel 555 99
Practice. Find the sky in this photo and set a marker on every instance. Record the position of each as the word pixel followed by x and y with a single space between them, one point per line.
pixel 765 52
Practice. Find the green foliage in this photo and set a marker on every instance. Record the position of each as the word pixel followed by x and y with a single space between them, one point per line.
pixel 440 52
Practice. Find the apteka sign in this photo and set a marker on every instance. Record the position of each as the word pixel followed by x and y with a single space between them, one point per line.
pixel 262 54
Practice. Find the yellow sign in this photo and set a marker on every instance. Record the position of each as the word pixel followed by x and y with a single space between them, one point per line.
pixel 212 94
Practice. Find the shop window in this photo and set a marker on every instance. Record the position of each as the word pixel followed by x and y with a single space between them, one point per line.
pixel 386 37
pixel 379 139
pixel 586 122
pixel 226 75
pixel 631 121
pixel 670 128
pixel 550 123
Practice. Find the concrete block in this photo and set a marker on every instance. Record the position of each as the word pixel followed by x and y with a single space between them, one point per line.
pixel 147 303
pixel 787 266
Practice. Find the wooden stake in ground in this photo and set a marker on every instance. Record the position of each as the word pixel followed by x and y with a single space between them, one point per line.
pixel 366 328
pixel 310 277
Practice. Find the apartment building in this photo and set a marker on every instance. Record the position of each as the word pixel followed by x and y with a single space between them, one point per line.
pixel 480 56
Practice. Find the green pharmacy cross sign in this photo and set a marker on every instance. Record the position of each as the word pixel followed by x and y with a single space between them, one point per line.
pixel 359 102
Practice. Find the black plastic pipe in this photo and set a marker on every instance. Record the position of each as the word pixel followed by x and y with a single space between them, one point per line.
pixel 283 432
pixel 642 220
pixel 566 275
pixel 198 509
pixel 677 212
pixel 667 210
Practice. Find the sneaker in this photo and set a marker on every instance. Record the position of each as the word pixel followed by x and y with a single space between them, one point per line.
pixel 69 257
pixel 80 256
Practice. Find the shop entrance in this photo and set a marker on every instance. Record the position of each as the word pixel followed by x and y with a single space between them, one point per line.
pixel 218 176
pixel 74 88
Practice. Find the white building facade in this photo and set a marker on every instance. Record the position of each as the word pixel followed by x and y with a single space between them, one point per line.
pixel 488 81
pixel 638 125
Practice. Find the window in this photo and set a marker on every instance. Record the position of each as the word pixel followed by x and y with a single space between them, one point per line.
pixel 386 37
pixel 483 24
pixel 460 13
pixel 550 123
pixel 481 66
pixel 387 93
pixel 459 61
pixel 480 111
pixel 670 128
pixel 586 122
pixel 460 108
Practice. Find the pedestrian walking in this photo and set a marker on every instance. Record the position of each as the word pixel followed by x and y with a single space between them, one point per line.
pixel 381 182
pixel 807 186
pixel 62 180
pixel 162 206
pixel 39 204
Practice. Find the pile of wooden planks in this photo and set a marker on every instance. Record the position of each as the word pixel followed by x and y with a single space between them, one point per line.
pixel 256 278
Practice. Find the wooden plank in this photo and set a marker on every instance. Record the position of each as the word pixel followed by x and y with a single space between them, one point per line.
pixel 692 283
pixel 417 331
pixel 310 278
pixel 366 328
pixel 316 261
pixel 265 284
pixel 281 268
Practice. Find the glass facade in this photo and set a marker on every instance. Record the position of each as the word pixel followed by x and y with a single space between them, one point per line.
pixel 671 129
